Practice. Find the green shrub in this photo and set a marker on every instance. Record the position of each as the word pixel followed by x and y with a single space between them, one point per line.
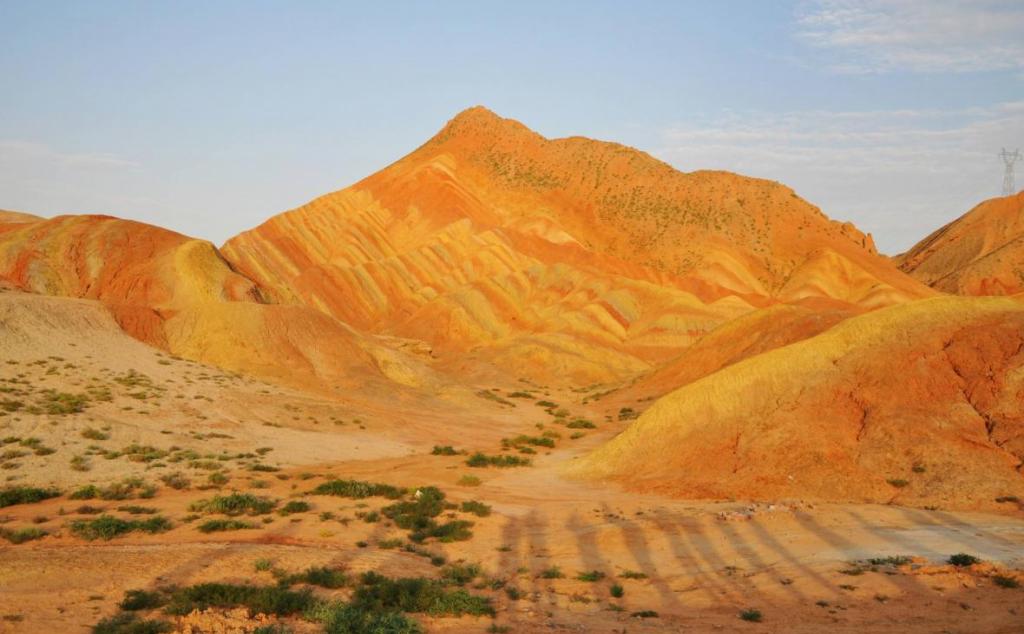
pixel 476 508
pixel 263 565
pixel 22 535
pixel 897 560
pixel 380 594
pixel 319 576
pixel 453 531
pixel 133 509
pixel 536 441
pixel 752 615
pixel 591 576
pixel 135 600
pixel 343 618
pixel 176 481
pixel 962 559
pixel 645 614
pixel 60 403
pixel 128 623
pixel 446 450
pixel 460 574
pixel 94 434
pixel 220 526
pixel 552 572
pixel 1004 581
pixel 617 591
pixel 295 506
pixel 271 600
pixel 581 423
pixel 358 489
pixel 632 574
pixel 502 461
pixel 469 481
pixel 418 513
pixel 25 495
pixel 108 527
pixel 124 490
pixel 235 504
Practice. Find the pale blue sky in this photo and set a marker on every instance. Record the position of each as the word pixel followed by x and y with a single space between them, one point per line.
pixel 208 117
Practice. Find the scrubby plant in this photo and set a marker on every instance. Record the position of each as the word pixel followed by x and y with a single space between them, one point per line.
pixel 135 600
pixel 445 450
pixel 176 481
pixel 128 623
pixel 321 576
pixel 22 535
pixel 460 574
pixel 235 504
pixel 358 489
pixel 552 572
pixel 753 615
pixel 295 506
pixel 476 508
pixel 1004 581
pixel 223 525
pixel 482 460
pixel 271 600
pixel 962 559
pixel 378 593
pixel 632 574
pixel 107 527
pixel 25 495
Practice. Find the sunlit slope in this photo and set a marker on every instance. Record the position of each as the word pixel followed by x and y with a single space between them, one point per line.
pixel 749 335
pixel 568 250
pixel 179 294
pixel 918 403
pixel 980 253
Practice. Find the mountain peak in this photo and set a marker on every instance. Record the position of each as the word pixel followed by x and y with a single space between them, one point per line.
pixel 479 121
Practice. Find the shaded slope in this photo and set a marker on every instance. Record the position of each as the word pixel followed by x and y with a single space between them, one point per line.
pixel 918 403
pixel 179 294
pixel 980 253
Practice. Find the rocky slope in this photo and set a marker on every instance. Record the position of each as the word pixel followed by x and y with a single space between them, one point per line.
pixel 980 253
pixel 917 404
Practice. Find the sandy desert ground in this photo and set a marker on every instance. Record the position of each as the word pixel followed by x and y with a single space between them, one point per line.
pixel 678 565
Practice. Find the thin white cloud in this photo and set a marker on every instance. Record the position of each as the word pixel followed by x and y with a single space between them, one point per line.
pixel 898 174
pixel 13 151
pixel 941 36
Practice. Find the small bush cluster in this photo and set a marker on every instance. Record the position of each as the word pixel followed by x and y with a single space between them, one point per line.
pixel 21 535
pixel 358 489
pixel 25 495
pixel 223 525
pixel 125 490
pixel 107 527
pixel 502 461
pixel 235 504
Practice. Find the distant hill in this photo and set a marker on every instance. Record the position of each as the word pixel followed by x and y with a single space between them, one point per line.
pixel 979 253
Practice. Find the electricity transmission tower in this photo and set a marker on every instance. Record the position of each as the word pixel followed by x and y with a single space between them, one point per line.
pixel 1009 158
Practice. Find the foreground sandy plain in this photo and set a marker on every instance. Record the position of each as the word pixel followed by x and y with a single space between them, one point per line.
pixel 696 565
